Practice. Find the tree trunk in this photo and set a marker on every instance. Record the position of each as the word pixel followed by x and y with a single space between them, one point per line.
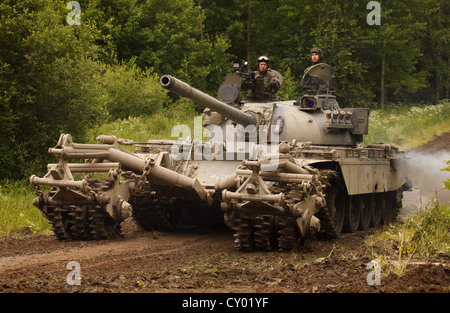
pixel 448 81
pixel 248 32
pixel 382 92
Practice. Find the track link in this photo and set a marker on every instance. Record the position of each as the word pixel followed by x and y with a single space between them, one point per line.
pixel 82 222
pixel 150 212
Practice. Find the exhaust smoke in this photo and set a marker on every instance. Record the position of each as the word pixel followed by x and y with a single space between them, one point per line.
pixel 424 169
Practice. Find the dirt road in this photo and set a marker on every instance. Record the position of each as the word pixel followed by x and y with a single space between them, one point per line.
pixel 203 261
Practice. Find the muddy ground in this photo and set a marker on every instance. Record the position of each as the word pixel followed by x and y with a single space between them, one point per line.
pixel 205 261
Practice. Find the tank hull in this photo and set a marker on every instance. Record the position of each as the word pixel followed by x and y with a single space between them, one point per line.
pixel 299 191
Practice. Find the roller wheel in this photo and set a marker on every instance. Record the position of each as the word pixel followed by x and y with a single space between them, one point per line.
pixel 353 213
pixel 335 199
pixel 378 209
pixel 367 211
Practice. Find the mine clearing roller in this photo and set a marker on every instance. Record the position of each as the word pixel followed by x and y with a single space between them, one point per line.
pixel 275 172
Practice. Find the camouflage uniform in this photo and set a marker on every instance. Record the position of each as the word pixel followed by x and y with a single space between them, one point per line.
pixel 265 85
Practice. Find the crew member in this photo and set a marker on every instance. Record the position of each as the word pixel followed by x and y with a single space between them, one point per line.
pixel 265 84
pixel 316 55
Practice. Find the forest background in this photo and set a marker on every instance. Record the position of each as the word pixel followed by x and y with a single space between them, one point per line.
pixel 59 77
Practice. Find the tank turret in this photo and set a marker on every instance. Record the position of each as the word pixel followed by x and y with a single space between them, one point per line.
pixel 315 117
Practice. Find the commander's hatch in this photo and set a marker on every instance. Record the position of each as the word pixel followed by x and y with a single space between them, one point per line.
pixel 319 82
pixel 319 78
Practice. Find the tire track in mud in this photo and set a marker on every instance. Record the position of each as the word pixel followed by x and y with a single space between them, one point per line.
pixel 204 261
pixel 131 254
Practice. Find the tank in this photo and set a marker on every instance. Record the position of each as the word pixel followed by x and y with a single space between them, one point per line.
pixel 275 172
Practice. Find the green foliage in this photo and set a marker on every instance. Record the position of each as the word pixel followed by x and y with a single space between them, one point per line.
pixel 129 91
pixel 447 169
pixel 143 128
pixel 430 233
pixel 290 88
pixel 424 233
pixel 46 85
pixel 412 35
pixel 167 36
pixel 408 126
pixel 17 212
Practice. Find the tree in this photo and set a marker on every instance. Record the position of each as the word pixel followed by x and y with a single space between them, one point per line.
pixel 434 49
pixel 166 36
pixel 46 82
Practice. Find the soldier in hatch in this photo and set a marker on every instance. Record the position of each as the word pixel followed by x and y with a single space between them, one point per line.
pixel 265 84
pixel 316 55
pixel 323 77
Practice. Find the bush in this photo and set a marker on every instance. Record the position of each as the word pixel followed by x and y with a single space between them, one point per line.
pixel 143 128
pixel 128 91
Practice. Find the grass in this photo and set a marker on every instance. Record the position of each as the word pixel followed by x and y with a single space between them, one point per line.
pixel 17 213
pixel 408 126
pixel 157 126
pixel 423 234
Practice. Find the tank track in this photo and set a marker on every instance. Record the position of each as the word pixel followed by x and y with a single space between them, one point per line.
pixel 82 223
pixel 85 222
pixel 150 212
pixel 265 233
pixel 268 233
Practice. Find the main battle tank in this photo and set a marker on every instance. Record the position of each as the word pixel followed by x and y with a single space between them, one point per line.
pixel 276 172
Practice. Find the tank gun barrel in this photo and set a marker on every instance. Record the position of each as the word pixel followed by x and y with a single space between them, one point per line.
pixel 185 90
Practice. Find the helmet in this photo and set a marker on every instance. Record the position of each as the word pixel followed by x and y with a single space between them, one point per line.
pixel 263 58
pixel 318 51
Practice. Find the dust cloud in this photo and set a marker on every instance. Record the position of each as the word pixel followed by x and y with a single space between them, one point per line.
pixel 424 169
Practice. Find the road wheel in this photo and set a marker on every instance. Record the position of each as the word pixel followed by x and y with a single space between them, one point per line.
pixel 367 211
pixel 378 209
pixel 335 198
pixel 353 213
